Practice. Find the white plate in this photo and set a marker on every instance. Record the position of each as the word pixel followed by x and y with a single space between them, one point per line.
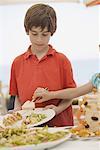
pixel 44 145
pixel 75 137
pixel 5 116
pixel 50 113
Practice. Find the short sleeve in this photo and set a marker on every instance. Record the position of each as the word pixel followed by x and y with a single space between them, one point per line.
pixel 69 81
pixel 13 84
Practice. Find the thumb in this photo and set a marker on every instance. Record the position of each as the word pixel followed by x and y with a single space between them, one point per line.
pixel 49 106
pixel 39 94
pixel 40 100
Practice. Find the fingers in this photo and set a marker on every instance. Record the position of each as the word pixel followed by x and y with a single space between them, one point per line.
pixel 49 107
pixel 36 98
pixel 52 107
pixel 40 95
pixel 38 92
pixel 39 100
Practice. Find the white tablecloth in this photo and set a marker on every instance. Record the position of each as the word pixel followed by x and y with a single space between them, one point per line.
pixel 78 145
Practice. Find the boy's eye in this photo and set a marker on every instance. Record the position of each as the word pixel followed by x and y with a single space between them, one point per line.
pixel 34 34
pixel 44 34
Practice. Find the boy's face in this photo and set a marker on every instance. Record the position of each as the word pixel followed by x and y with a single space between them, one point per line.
pixel 39 38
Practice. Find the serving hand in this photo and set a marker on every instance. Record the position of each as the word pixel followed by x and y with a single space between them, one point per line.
pixel 55 108
pixel 41 95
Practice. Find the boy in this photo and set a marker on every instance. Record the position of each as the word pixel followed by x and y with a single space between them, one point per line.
pixel 42 66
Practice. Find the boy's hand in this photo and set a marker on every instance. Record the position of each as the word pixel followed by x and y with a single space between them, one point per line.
pixel 41 95
pixel 55 108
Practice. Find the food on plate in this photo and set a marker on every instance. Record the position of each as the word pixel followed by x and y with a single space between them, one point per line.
pixel 33 118
pixel 31 104
pixel 23 136
pixel 27 117
pixel 82 132
pixel 28 105
pixel 89 125
pixel 11 119
pixel 1 129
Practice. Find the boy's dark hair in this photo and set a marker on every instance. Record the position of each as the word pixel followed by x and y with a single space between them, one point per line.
pixel 41 15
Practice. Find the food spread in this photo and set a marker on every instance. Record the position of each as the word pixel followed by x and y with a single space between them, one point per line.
pixel 89 124
pixel 18 119
pixel 11 137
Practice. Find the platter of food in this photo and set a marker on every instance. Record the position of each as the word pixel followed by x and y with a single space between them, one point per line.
pixel 88 118
pixel 35 138
pixel 9 120
pixel 38 116
pixel 29 118
pixel 81 133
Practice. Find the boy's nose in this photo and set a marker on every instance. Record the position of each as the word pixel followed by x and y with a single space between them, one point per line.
pixel 39 39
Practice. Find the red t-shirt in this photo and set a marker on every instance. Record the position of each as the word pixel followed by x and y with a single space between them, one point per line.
pixel 53 71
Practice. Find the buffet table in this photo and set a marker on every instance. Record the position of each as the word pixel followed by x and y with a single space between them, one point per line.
pixel 69 144
pixel 79 145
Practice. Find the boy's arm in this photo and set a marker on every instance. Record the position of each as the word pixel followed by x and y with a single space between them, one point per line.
pixel 79 91
pixel 71 93
pixel 76 92
pixel 63 105
pixel 67 94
